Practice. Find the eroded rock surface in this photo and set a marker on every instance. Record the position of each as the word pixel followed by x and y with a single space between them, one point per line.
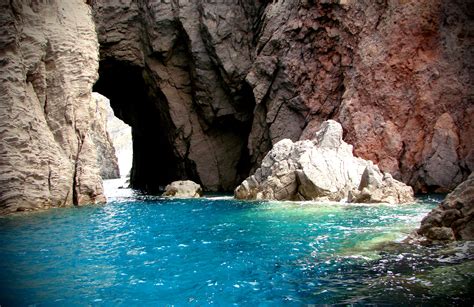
pixel 48 64
pixel 453 219
pixel 375 187
pixel 321 169
pixel 183 189
pixel 229 79
pixel 169 73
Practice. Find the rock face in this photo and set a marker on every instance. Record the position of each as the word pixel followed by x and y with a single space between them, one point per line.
pixel 106 157
pixel 162 70
pixel 407 103
pixel 453 219
pixel 321 169
pixel 376 187
pixel 224 81
pixel 183 189
pixel 48 65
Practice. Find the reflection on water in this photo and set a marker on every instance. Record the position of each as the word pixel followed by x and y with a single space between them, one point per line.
pixel 148 250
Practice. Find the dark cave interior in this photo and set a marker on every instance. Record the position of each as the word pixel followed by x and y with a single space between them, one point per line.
pixel 139 102
pixel 154 164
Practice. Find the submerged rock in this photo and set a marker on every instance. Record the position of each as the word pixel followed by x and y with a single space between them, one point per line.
pixel 323 168
pixel 183 189
pixel 453 219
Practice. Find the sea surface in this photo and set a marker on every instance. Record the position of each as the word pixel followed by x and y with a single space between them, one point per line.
pixel 142 250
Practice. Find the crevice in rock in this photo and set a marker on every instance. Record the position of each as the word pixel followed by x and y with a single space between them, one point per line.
pixel 258 22
pixel 75 178
pixel 49 178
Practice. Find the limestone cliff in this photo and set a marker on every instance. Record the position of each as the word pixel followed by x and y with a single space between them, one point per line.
pixel 48 63
pixel 210 86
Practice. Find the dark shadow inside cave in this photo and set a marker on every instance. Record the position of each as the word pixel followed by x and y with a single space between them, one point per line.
pixel 138 104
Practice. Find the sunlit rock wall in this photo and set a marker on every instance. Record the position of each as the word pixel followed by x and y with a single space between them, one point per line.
pixel 48 64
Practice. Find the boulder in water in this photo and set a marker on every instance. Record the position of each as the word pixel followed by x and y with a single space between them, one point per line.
pixel 453 219
pixel 183 189
pixel 323 168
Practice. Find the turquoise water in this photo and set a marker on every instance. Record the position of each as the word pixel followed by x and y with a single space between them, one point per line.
pixel 147 251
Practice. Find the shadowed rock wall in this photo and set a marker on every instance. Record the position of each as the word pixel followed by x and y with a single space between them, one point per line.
pixel 48 63
pixel 162 68
pixel 217 83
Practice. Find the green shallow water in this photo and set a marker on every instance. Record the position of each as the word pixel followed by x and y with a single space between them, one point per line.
pixel 139 250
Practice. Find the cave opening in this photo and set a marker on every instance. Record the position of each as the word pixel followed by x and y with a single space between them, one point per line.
pixel 212 153
pixel 133 101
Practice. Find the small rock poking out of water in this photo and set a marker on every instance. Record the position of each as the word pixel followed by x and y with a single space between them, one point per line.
pixel 453 219
pixel 322 169
pixel 183 189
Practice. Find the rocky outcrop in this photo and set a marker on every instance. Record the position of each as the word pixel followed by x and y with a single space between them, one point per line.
pixel 224 81
pixel 321 169
pixel 106 157
pixel 183 189
pixel 453 219
pixel 376 187
pixel 48 63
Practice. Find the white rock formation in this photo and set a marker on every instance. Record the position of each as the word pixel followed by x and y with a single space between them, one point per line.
pixel 48 64
pixel 376 187
pixel 323 168
pixel 183 189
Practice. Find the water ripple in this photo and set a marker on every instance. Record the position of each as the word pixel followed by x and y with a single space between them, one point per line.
pixel 149 250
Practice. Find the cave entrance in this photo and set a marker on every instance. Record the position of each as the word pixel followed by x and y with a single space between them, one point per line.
pixel 138 104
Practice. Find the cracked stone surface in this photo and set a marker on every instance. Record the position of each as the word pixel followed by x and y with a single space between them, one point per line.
pixel 183 189
pixel 48 65
pixel 210 88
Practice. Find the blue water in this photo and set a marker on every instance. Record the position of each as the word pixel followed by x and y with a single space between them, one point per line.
pixel 149 251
